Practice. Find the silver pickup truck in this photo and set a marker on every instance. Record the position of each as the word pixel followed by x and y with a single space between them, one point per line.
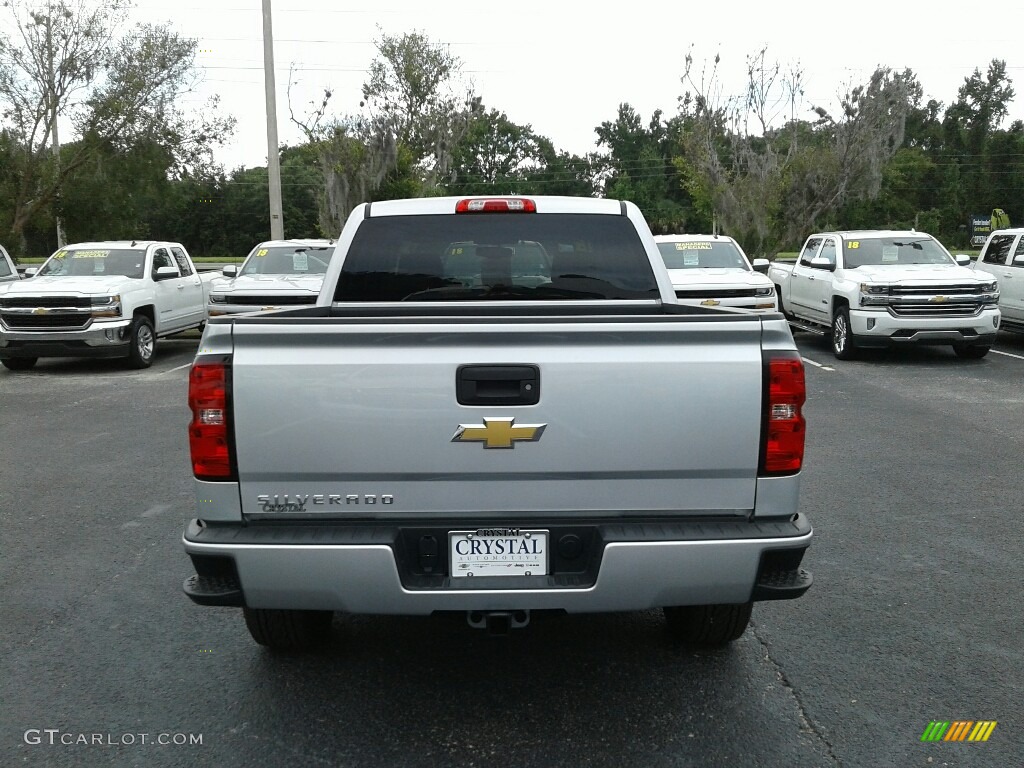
pixel 496 407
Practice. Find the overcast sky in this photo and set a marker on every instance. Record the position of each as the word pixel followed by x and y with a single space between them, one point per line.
pixel 564 66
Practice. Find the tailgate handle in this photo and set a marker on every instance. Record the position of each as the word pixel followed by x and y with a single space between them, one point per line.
pixel 497 384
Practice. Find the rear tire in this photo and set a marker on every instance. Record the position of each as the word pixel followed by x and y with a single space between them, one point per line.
pixel 843 346
pixel 142 345
pixel 971 353
pixel 288 630
pixel 708 625
pixel 18 363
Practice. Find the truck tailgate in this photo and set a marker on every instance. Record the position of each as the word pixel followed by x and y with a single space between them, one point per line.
pixel 649 415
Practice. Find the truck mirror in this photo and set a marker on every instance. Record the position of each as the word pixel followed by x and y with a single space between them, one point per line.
pixel 761 265
pixel 165 273
pixel 1018 261
pixel 962 259
pixel 820 263
pixel 30 271
pixel 230 270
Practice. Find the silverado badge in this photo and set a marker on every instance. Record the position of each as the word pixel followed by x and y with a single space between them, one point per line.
pixel 498 433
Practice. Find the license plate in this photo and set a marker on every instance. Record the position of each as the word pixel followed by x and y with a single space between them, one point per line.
pixel 498 552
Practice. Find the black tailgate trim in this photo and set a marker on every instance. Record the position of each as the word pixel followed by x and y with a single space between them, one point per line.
pixel 341 532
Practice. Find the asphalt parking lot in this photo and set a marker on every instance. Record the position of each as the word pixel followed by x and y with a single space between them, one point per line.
pixel 912 481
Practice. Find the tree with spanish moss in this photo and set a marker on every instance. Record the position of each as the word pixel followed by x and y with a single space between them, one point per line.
pixel 75 61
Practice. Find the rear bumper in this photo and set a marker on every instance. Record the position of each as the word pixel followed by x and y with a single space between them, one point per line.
pixel 366 569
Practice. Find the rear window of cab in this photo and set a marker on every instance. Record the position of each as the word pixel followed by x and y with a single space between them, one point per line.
pixel 500 257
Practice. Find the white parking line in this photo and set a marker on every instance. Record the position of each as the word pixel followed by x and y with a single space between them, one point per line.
pixel 1007 354
pixel 817 365
pixel 172 370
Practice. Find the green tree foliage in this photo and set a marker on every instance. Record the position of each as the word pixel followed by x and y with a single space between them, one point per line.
pixel 970 129
pixel 492 155
pixel 413 93
pixel 1005 156
pixel 118 89
pixel 760 165
pixel 413 115
pixel 561 173
pixel 770 185
pixel 113 194
pixel 954 162
pixel 850 153
pixel 898 203
pixel 640 166
pixel 228 215
pixel 498 156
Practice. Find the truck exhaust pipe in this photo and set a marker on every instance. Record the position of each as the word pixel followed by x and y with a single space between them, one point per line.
pixel 498 623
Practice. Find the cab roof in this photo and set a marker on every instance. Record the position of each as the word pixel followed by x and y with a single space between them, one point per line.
pixel 140 244
pixel 446 205
pixel 690 237
pixel 314 242
pixel 869 234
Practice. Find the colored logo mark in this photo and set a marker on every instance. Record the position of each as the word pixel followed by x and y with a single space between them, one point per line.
pixel 958 730
pixel 498 433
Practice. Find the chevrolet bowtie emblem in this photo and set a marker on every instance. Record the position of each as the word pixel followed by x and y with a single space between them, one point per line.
pixel 498 433
pixel 710 303
pixel 938 299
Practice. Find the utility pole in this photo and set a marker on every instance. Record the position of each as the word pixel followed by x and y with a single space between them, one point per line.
pixel 273 153
pixel 55 137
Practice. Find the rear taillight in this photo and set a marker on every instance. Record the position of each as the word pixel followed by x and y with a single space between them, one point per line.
pixel 496 205
pixel 209 433
pixel 783 428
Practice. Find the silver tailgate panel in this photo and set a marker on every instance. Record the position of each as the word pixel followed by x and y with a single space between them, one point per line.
pixel 655 416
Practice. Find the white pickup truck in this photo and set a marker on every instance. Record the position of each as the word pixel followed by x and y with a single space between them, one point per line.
pixel 882 288
pixel 496 406
pixel 1003 256
pixel 105 299
pixel 275 274
pixel 713 270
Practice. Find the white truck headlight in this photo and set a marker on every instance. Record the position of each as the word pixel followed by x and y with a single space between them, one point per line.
pixel 769 291
pixel 218 298
pixel 990 293
pixel 876 294
pixel 106 306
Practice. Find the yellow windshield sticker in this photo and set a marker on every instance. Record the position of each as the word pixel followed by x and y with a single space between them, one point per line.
pixel 853 244
pixel 693 247
pixel 261 252
pixel 60 254
pixel 455 252
pixel 89 254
